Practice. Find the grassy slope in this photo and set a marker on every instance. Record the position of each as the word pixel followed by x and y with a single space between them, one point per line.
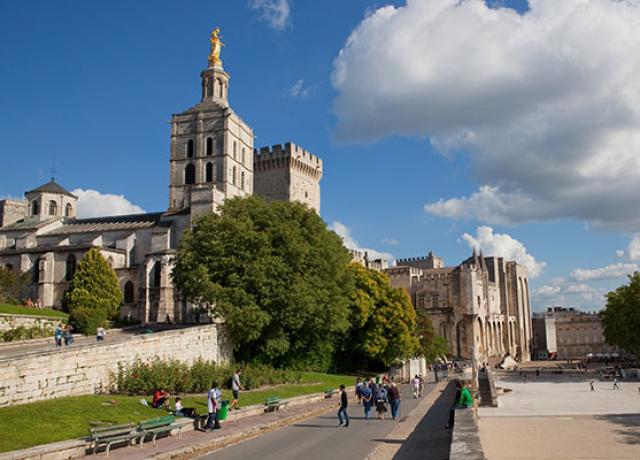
pixel 66 418
pixel 20 310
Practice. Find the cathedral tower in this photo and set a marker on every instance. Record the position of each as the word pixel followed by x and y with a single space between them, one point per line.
pixel 211 147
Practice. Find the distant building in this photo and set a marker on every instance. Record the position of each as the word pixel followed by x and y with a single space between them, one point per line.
pixel 566 333
pixel 362 258
pixel 481 306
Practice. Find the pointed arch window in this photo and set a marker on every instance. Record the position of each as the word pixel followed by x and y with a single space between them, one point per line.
pixel 53 208
pixel 70 267
pixel 35 208
pixel 128 293
pixel 190 174
pixel 209 146
pixel 189 148
pixel 68 210
pixel 209 172
pixel 156 274
pixel 36 271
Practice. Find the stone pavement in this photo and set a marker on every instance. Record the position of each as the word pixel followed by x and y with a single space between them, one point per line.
pixel 560 418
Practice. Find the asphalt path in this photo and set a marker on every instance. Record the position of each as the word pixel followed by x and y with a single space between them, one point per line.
pixel 320 438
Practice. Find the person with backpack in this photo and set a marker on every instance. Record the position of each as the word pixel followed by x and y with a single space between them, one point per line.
pixel 381 402
pixel 213 403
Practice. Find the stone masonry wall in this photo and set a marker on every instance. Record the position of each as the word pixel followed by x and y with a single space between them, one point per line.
pixel 90 369
pixel 8 322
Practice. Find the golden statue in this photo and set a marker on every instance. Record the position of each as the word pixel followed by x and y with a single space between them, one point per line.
pixel 216 47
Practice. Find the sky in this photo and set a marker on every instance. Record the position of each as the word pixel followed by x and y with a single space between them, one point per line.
pixel 510 126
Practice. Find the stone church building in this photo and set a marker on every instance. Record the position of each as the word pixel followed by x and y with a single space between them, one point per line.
pixel 212 157
pixel 481 307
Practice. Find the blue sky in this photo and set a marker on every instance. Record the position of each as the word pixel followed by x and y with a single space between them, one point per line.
pixel 462 107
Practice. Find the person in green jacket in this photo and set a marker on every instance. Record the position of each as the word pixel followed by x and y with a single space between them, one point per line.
pixel 466 400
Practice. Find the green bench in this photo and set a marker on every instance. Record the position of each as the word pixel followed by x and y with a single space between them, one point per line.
pixel 156 426
pixel 274 403
pixel 329 392
pixel 112 434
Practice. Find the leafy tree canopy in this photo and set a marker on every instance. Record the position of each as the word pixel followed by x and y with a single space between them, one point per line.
pixel 94 293
pixel 382 320
pixel 621 316
pixel 12 282
pixel 277 276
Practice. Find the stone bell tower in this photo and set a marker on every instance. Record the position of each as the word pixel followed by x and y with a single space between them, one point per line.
pixel 211 147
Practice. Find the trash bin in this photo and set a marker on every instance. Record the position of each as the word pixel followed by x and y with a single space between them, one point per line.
pixel 224 410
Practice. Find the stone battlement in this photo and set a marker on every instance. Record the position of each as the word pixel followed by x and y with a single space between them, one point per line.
pixel 287 150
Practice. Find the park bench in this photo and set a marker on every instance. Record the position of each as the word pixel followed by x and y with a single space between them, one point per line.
pixel 156 426
pixel 274 403
pixel 112 434
pixel 329 392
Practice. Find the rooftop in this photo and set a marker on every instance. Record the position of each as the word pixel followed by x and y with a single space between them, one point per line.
pixel 52 187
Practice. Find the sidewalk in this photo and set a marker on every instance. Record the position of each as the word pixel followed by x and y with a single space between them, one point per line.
pixel 193 443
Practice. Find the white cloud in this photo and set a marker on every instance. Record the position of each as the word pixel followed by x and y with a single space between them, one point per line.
pixel 92 203
pixel 547 103
pixel 349 241
pixel 503 245
pixel 546 291
pixel 275 13
pixel 390 241
pixel 633 250
pixel 562 292
pixel 620 253
pixel 300 90
pixel 610 271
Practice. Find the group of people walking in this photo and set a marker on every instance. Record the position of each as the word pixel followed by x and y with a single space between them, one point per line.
pixel 372 395
pixel 63 333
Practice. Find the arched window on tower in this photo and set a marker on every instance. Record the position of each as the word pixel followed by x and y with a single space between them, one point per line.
pixel 68 210
pixel 209 172
pixel 189 148
pixel 190 174
pixel 209 92
pixel 233 176
pixel 220 87
pixel 36 271
pixel 70 267
pixel 241 180
pixel 53 208
pixel 209 146
pixel 128 294
pixel 35 208
pixel 156 275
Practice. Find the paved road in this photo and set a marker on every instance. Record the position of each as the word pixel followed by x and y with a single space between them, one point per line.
pixel 320 439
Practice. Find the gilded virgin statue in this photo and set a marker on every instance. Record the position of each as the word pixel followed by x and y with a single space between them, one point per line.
pixel 216 47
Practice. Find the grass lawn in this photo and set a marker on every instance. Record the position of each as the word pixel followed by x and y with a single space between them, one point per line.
pixel 43 422
pixel 20 310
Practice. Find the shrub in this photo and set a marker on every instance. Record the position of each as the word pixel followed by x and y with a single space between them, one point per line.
pixel 177 376
pixel 86 319
pixel 25 333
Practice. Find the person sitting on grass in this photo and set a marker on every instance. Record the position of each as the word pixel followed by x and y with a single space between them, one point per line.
pixel 160 399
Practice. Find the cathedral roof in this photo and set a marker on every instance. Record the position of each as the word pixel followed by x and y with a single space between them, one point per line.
pixel 52 187
pixel 109 223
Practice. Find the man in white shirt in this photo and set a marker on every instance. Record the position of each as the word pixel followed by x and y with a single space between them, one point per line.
pixel 212 407
pixel 235 389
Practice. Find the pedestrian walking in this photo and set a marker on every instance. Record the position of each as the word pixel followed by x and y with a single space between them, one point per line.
pixel 235 389
pixel 394 400
pixel 367 400
pixel 415 383
pixel 359 390
pixel 421 389
pixel 67 334
pixel 57 335
pixel 591 385
pixel 381 402
pixel 100 334
pixel 615 384
pixel 343 416
pixel 212 408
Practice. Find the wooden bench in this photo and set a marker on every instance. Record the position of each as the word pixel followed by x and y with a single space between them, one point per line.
pixel 329 392
pixel 274 403
pixel 156 426
pixel 112 434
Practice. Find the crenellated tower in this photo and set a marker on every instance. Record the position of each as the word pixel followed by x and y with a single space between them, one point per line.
pixel 288 172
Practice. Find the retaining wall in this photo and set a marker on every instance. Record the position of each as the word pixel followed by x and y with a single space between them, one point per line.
pixel 8 322
pixel 465 439
pixel 90 369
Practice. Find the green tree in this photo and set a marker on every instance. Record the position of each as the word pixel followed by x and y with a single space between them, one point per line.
pixel 382 320
pixel 94 293
pixel 621 316
pixel 12 283
pixel 431 345
pixel 277 276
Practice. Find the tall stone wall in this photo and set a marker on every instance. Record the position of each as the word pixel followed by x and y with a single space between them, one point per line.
pixel 8 322
pixel 90 369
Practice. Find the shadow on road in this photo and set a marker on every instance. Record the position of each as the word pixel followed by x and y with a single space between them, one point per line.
pixel 630 424
pixel 429 439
